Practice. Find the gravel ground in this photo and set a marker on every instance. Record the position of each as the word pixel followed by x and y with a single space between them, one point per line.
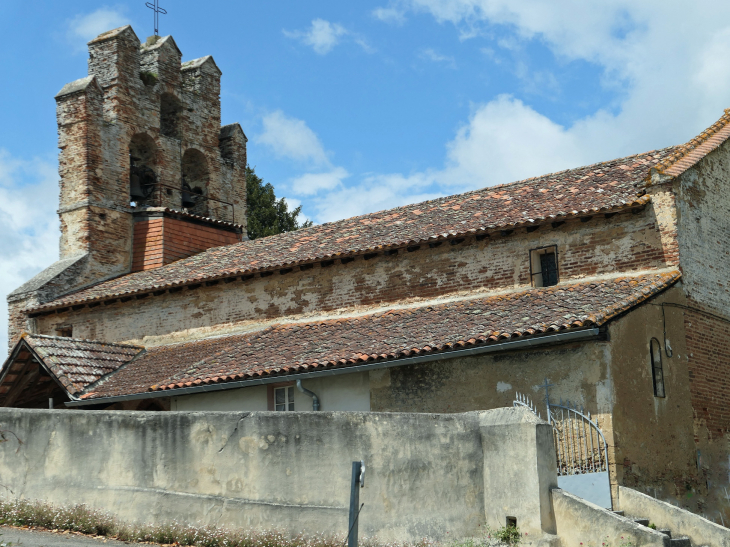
pixel 35 538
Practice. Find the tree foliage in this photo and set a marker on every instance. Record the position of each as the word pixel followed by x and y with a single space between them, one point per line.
pixel 267 215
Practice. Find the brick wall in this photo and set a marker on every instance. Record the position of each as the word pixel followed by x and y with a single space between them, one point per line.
pixel 160 241
pixel 625 242
pixel 708 344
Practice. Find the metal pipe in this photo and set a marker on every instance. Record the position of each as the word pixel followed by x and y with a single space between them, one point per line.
pixel 315 399
pixel 591 333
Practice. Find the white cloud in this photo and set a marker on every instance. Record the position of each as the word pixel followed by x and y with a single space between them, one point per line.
pixel 311 183
pixel 28 222
pixel 432 55
pixel 389 15
pixel 668 67
pixel 504 141
pixel 291 138
pixel 322 35
pixel 83 28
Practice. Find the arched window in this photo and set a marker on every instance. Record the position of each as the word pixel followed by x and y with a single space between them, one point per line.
pixel 170 109
pixel 142 176
pixel 657 371
pixel 195 182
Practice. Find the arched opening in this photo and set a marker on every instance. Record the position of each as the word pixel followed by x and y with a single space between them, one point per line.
pixel 195 182
pixel 142 176
pixel 170 109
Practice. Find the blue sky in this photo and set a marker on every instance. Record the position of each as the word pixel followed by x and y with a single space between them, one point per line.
pixel 352 107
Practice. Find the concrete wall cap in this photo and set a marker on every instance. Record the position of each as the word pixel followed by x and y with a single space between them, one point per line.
pixel 508 415
pixel 198 63
pixel 110 34
pixel 77 86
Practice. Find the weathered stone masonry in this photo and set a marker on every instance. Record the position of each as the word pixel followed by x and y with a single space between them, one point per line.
pixel 140 106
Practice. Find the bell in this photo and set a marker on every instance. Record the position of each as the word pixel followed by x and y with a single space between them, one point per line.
pixel 135 187
pixel 187 196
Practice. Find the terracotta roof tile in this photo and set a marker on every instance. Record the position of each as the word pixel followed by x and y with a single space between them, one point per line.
pixel 600 187
pixel 394 334
pixel 78 363
pixel 685 156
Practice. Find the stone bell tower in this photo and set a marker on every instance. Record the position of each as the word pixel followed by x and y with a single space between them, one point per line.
pixel 148 175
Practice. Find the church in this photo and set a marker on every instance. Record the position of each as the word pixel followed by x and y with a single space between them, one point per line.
pixel 609 284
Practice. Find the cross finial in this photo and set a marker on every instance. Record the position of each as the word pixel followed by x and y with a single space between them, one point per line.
pixel 157 10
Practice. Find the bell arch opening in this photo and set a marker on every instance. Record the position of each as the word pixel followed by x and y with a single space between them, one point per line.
pixel 142 176
pixel 170 110
pixel 195 178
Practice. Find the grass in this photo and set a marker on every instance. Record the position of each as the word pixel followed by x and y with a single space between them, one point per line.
pixel 82 519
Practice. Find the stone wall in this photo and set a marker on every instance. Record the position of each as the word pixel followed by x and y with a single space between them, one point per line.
pixel 440 476
pixel 628 242
pixel 703 209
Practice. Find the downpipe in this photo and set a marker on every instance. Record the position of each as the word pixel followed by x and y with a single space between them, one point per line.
pixel 315 399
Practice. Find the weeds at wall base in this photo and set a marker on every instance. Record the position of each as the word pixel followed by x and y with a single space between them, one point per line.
pixel 82 519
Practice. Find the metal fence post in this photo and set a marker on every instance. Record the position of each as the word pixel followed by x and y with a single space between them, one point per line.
pixel 354 504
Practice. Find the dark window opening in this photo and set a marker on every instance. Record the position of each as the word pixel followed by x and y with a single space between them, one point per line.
pixel 657 371
pixel 65 331
pixel 170 116
pixel 544 266
pixel 195 182
pixel 142 177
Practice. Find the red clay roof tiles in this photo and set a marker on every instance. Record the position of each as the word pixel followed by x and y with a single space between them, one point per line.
pixel 600 187
pixel 687 155
pixel 78 363
pixel 394 334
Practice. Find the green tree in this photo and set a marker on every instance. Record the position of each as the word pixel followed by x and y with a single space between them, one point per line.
pixel 266 214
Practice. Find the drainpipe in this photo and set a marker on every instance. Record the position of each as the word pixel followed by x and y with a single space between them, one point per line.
pixel 315 399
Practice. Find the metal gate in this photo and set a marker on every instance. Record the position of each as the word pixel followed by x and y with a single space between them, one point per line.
pixel 580 449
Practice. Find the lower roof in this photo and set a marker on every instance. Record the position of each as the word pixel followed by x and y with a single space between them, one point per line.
pixel 287 349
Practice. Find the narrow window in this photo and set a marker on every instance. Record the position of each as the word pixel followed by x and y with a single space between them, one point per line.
pixel 544 266
pixel 142 177
pixel 284 398
pixel 170 115
pixel 657 371
pixel 65 331
pixel 195 178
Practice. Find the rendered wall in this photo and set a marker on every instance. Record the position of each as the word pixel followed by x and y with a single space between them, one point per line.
pixel 653 436
pixel 343 392
pixel 431 475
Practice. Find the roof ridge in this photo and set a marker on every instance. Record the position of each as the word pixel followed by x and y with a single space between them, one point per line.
pixel 31 335
pixel 665 167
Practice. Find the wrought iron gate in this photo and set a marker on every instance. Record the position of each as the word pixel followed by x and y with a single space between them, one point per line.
pixel 580 446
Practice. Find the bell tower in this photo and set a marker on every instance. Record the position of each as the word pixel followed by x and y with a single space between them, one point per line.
pixel 148 175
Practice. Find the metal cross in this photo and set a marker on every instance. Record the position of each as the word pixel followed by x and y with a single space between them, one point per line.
pixel 547 387
pixel 158 10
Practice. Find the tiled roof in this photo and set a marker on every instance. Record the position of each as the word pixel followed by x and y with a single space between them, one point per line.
pixel 78 363
pixel 689 154
pixel 600 187
pixel 394 334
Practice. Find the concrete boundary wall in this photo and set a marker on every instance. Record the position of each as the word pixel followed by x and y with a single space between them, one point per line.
pixel 581 522
pixel 434 475
pixel 667 516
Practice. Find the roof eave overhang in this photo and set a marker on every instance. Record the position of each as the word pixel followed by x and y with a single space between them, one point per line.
pixel 637 204
pixel 23 344
pixel 574 335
